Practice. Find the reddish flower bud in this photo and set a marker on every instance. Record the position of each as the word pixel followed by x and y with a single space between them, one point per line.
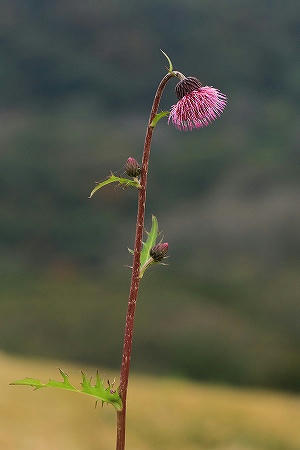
pixel 132 167
pixel 159 251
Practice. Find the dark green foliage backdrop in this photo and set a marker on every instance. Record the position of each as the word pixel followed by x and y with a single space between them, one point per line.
pixel 77 81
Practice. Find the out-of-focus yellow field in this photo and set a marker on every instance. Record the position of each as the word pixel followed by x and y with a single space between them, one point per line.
pixel 164 414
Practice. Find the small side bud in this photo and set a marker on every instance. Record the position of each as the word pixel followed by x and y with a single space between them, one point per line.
pixel 132 167
pixel 159 251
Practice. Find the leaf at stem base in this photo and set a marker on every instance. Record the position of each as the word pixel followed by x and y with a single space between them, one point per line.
pixel 97 390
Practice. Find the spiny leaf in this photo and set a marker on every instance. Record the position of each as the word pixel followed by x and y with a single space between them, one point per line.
pixel 157 118
pixel 113 179
pixel 62 384
pixel 150 242
pixel 97 390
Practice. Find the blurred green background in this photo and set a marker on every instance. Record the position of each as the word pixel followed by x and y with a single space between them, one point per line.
pixel 77 81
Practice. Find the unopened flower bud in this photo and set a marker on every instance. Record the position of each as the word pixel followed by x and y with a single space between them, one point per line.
pixel 132 168
pixel 159 251
pixel 187 85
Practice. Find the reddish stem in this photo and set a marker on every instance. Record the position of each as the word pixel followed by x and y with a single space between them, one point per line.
pixel 135 279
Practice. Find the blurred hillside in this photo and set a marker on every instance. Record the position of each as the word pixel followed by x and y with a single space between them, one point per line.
pixel 77 81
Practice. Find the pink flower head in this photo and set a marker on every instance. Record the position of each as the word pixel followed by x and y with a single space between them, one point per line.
pixel 197 105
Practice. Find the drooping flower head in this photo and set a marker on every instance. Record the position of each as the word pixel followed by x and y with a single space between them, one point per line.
pixel 197 106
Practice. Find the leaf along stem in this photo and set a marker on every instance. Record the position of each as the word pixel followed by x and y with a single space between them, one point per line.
pixel 145 266
pixel 135 276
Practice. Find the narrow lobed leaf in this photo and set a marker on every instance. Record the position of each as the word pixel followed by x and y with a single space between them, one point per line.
pixel 114 179
pixel 97 390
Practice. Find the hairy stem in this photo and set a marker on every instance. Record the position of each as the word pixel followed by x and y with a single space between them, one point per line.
pixel 135 276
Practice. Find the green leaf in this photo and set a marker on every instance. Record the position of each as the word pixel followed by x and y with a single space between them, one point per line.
pixel 113 179
pixel 158 117
pixel 97 390
pixel 150 242
pixel 169 61
pixel 65 384
pixel 29 382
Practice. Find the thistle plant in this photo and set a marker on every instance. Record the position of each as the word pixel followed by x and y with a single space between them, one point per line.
pixel 197 107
